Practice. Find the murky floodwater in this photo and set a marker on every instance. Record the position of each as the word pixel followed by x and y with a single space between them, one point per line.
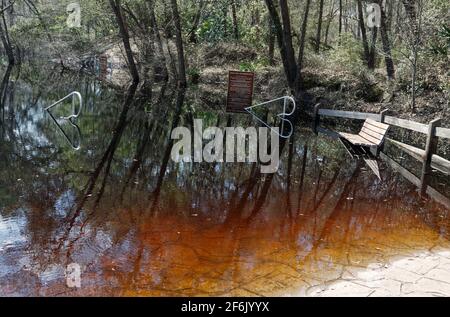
pixel 139 224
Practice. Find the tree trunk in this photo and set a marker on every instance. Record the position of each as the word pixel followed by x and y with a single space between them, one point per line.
pixel 271 44
pixel 362 28
pixel 346 17
pixel 372 53
pixel 6 41
pixel 390 69
pixel 287 39
pixel 235 20
pixel 198 15
pixel 414 41
pixel 319 27
pixel 330 19
pixel 159 42
pixel 182 83
pixel 281 39
pixel 149 45
pixel 340 17
pixel 301 51
pixel 414 81
pixel 116 6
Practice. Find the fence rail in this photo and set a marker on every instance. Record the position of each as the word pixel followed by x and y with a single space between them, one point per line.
pixel 433 193
pixel 443 133
pixel 349 114
pixel 406 124
pixel 401 123
pixel 428 156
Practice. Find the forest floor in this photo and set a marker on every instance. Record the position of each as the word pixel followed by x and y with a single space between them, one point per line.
pixel 332 84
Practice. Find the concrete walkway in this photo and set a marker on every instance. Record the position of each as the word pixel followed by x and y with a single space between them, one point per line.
pixel 425 274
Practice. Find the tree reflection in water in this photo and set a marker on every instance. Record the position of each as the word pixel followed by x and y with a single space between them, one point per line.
pixel 140 224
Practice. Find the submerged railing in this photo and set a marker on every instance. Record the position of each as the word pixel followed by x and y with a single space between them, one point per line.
pixel 75 114
pixel 282 115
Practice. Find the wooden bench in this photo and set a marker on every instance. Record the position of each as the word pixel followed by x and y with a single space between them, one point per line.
pixel 371 135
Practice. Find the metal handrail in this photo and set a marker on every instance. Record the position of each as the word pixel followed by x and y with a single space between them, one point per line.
pixel 69 118
pixel 80 99
pixel 280 115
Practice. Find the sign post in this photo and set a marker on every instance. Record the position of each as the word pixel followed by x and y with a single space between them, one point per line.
pixel 240 91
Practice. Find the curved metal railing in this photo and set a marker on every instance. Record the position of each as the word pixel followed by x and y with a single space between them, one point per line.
pixel 70 118
pixel 280 115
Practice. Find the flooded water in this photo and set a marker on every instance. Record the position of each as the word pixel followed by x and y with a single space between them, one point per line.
pixel 139 224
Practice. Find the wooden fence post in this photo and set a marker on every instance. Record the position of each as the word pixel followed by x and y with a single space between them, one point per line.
pixel 430 150
pixel 316 118
pixel 383 115
pixel 382 120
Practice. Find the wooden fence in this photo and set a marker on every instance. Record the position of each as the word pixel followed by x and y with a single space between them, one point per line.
pixel 428 156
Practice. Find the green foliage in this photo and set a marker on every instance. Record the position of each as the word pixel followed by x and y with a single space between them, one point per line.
pixel 216 24
pixel 442 44
pixel 252 66
pixel 367 89
pixel 215 29
pixel 194 75
pixel 255 37
pixel 348 53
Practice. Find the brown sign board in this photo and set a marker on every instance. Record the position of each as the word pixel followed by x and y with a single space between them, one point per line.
pixel 240 91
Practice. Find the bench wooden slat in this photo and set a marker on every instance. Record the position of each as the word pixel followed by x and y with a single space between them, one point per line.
pixel 377 124
pixel 375 128
pixel 356 139
pixel 370 138
pixel 373 134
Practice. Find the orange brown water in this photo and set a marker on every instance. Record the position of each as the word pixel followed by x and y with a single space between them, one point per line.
pixel 150 227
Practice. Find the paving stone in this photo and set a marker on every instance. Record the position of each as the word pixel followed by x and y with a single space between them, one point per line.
pixel 417 294
pixel 444 254
pixel 346 289
pixel 393 287
pixel 316 290
pixel 369 275
pixel 383 293
pixel 417 265
pixel 426 285
pixel 414 276
pixel 398 274
pixel 439 275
